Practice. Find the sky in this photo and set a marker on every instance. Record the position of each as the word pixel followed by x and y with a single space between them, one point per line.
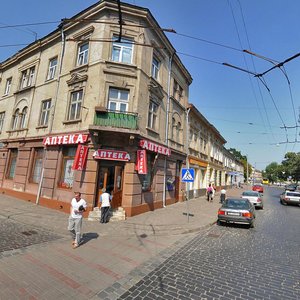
pixel 257 116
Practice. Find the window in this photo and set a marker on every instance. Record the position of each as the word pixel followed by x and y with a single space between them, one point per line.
pixel 152 115
pixel 15 120
pixel 8 86
pixel 67 174
pixel 27 78
pixel 52 68
pixel 177 129
pixel 45 112
pixel 36 173
pixel 118 100
pixel 2 115
pixel 83 52
pixel 23 118
pixel 12 164
pixel 75 105
pixel 148 178
pixel 122 51
pixel 155 68
pixel 177 91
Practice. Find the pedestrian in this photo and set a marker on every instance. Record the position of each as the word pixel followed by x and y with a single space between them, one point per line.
pixel 209 193
pixel 105 199
pixel 78 206
pixel 214 189
pixel 222 195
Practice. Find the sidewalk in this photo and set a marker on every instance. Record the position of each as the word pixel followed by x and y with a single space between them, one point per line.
pixel 116 254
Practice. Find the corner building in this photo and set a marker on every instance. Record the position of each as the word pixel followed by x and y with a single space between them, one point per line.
pixel 92 106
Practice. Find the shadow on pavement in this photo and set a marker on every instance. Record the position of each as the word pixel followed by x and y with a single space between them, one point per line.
pixel 86 237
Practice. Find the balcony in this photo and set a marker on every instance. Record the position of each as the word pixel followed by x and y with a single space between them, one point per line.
pixel 116 119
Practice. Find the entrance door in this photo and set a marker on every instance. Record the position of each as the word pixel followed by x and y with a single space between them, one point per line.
pixel 111 178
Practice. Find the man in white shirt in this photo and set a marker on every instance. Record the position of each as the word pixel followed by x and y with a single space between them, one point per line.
pixel 105 199
pixel 78 206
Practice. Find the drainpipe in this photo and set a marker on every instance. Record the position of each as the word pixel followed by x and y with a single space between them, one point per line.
pixel 167 127
pixel 63 43
pixel 187 161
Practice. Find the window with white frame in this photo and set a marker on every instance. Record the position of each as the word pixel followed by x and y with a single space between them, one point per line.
pixel 2 115
pixel 52 68
pixel 83 52
pixel 75 105
pixel 37 166
pixel 15 120
pixel 27 78
pixel 118 100
pixel 67 173
pixel 45 112
pixel 155 68
pixel 23 117
pixel 152 115
pixel 122 51
pixel 8 86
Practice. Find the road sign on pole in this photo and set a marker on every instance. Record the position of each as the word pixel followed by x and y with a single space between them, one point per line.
pixel 187 175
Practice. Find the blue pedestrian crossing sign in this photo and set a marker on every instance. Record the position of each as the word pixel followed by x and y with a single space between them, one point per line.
pixel 187 175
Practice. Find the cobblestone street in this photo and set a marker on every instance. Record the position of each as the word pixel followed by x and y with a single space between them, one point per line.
pixel 232 262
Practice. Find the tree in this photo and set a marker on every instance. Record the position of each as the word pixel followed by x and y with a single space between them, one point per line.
pixel 272 172
pixel 291 165
pixel 243 159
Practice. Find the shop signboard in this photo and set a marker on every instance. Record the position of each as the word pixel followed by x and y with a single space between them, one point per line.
pixel 80 157
pixel 141 162
pixel 65 139
pixel 155 147
pixel 111 155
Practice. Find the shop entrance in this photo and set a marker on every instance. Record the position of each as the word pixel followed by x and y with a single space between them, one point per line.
pixel 110 177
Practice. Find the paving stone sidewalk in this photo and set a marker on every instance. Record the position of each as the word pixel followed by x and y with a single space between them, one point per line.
pixel 48 267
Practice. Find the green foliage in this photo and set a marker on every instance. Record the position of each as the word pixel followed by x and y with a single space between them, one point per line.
pixel 243 159
pixel 290 166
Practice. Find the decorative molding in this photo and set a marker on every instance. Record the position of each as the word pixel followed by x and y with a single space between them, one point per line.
pixel 77 77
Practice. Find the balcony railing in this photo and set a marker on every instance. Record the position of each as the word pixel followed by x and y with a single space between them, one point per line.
pixel 116 119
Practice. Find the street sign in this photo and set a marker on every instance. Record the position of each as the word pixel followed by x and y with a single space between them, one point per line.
pixel 187 175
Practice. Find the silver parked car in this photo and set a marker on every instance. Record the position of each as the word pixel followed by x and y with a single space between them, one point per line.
pixel 238 211
pixel 254 197
pixel 290 197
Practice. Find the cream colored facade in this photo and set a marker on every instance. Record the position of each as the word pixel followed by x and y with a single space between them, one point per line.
pixel 208 156
pixel 84 78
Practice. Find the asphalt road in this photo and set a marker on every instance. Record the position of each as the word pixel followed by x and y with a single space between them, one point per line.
pixel 233 262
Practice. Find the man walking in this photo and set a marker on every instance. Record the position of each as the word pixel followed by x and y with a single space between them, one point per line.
pixel 78 206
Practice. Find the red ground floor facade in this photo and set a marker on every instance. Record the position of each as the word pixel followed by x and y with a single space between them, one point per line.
pixel 41 170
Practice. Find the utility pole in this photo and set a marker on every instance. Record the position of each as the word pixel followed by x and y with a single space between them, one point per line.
pixel 247 169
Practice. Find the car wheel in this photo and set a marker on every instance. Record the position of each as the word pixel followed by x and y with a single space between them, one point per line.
pixel 251 225
pixel 219 223
pixel 283 203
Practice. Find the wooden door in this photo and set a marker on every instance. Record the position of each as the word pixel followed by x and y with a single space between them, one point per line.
pixel 110 178
pixel 118 186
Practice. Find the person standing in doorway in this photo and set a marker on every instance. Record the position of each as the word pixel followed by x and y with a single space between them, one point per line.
pixel 78 206
pixel 105 199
